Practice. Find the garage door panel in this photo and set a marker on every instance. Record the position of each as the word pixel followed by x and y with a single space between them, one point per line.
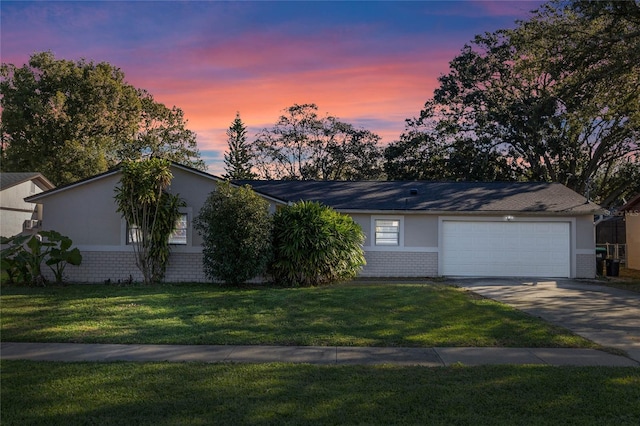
pixel 536 249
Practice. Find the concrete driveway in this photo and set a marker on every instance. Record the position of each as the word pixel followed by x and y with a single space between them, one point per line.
pixel 605 315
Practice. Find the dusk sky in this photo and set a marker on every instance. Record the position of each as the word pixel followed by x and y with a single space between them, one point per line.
pixel 371 64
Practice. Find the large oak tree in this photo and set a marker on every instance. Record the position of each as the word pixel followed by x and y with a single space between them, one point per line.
pixel 556 99
pixel 70 120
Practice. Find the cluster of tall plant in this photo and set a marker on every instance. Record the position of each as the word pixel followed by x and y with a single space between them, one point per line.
pixel 303 244
pixel 24 255
pixel 70 120
pixel 150 211
pixel 315 245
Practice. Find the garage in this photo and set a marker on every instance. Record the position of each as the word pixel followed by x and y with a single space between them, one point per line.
pixel 506 248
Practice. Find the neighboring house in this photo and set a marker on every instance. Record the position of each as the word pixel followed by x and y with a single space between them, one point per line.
pixel 413 229
pixel 17 215
pixel 632 222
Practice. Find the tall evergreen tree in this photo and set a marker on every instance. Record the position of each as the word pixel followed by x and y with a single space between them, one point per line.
pixel 238 160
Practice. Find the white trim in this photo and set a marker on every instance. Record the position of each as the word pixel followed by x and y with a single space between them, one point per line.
pixel 402 249
pixel 189 212
pixel 372 235
pixel 123 232
pixel 473 214
pixel 129 248
pixel 585 251
pixel 112 172
pixel 36 197
pixel 93 247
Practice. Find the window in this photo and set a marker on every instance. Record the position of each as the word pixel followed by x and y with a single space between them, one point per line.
pixel 387 232
pixel 132 234
pixel 178 235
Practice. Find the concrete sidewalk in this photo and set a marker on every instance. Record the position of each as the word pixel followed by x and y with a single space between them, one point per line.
pixel 430 357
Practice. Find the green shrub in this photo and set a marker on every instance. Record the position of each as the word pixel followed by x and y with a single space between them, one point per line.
pixel 236 229
pixel 315 245
pixel 23 257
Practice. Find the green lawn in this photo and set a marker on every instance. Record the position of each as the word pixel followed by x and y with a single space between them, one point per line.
pixel 359 314
pixel 44 393
pixel 122 393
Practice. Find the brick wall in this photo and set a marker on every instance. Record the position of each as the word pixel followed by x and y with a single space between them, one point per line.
pixel 185 267
pixel 400 264
pixel 116 266
pixel 585 265
pixel 98 267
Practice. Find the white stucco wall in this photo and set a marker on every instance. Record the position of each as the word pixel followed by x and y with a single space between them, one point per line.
pixel 85 213
pixel 88 213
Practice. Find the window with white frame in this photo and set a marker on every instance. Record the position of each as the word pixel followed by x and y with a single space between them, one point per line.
pixel 178 235
pixel 387 232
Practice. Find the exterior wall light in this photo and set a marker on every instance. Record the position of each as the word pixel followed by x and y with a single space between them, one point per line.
pixel 509 218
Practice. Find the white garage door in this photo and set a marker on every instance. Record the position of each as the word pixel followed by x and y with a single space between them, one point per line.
pixel 506 249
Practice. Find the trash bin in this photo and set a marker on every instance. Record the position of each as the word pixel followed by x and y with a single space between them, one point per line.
pixel 613 267
pixel 601 255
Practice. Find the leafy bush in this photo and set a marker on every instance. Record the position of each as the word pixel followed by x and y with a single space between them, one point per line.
pixel 150 211
pixel 236 229
pixel 22 259
pixel 315 245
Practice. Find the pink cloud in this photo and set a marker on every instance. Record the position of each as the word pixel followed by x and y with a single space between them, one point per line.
pixel 388 92
pixel 349 70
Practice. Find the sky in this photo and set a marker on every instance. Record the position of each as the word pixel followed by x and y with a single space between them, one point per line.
pixel 371 64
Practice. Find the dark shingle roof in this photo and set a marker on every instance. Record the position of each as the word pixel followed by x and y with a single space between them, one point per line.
pixel 8 180
pixel 463 197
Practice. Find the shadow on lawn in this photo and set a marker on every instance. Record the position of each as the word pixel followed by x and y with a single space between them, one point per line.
pixel 168 394
pixel 412 315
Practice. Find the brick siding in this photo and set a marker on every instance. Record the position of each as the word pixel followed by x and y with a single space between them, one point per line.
pixel 585 265
pixel 400 264
pixel 116 266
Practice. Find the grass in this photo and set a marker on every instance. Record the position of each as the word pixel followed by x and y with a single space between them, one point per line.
pixel 413 315
pixel 46 393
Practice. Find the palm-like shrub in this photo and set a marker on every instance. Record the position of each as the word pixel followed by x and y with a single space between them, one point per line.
pixel 236 229
pixel 150 212
pixel 314 245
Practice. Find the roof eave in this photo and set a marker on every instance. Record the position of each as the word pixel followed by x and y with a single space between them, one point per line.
pixel 37 197
pixel 36 176
pixel 635 202
pixel 471 213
